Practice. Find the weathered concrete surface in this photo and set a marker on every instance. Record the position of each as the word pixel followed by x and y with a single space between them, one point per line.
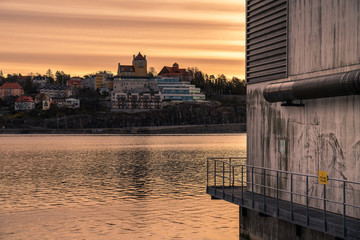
pixel 256 227
pixel 324 135
pixel 323 34
pixel 324 38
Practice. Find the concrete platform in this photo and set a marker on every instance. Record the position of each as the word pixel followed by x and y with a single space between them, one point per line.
pixel 294 213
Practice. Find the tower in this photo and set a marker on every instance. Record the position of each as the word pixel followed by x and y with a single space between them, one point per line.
pixel 140 65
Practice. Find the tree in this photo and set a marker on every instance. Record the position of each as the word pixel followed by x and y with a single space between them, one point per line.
pixel 12 78
pixel 49 73
pixel 28 85
pixel 238 86
pixel 61 77
pixel 1 73
pixel 152 72
pixel 50 76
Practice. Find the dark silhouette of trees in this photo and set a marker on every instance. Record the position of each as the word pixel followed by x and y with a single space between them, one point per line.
pixel 215 86
pixel 61 77
pixel 152 72
pixel 50 76
pixel 28 87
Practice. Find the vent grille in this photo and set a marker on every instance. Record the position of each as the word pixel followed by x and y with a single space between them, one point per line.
pixel 266 40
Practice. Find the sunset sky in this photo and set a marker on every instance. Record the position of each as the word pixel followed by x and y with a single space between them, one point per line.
pixel 84 36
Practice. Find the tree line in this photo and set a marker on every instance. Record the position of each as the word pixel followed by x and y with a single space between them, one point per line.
pixel 220 85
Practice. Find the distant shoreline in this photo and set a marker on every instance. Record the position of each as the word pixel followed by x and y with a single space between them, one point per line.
pixel 178 129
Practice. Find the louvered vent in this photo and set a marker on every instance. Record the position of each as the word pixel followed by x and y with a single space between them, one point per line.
pixel 266 38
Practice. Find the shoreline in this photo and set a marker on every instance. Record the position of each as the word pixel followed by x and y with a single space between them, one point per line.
pixel 178 129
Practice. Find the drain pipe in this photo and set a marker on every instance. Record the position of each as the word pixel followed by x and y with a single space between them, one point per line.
pixel 334 85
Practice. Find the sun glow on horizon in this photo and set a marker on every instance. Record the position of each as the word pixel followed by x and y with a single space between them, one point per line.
pixel 81 37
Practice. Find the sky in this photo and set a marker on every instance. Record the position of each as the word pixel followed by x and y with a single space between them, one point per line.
pixel 85 36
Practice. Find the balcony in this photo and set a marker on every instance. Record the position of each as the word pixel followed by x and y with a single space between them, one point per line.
pixel 292 197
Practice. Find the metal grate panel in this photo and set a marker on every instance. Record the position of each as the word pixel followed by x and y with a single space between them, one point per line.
pixel 266 40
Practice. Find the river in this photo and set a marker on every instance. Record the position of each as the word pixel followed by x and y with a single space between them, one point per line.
pixel 113 187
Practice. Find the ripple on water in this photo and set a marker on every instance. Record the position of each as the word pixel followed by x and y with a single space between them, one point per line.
pixel 111 187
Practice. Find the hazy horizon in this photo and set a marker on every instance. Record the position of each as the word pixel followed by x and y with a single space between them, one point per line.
pixel 82 37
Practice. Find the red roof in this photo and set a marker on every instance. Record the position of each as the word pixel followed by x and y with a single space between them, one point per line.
pixel 74 82
pixel 173 71
pixel 139 57
pixel 11 85
pixel 126 68
pixel 24 99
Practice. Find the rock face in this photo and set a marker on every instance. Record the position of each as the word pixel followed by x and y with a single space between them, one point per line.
pixel 181 114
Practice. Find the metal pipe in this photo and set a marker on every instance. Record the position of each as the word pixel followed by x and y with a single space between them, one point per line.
pixel 334 85
pixel 307 201
pixel 230 172
pixel 207 172
pixel 277 193
pixel 242 185
pixel 344 210
pixel 264 191
pixel 325 224
pixel 223 183
pixel 291 196
pixel 215 177
pixel 232 183
pixel 252 186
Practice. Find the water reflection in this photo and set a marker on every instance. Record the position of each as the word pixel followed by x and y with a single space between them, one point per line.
pixel 113 187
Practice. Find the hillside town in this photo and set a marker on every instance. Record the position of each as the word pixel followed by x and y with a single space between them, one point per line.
pixel 132 89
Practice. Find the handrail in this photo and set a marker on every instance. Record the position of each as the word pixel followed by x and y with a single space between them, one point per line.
pixel 225 169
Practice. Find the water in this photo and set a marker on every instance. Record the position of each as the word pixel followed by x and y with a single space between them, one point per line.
pixel 113 187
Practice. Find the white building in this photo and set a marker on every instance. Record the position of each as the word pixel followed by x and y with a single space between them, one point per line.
pixel 134 84
pixel 173 90
pixel 24 103
pixel 54 90
pixel 39 81
pixel 141 101
pixel 72 103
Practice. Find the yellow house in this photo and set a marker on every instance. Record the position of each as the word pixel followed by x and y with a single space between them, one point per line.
pixel 137 69
pixel 46 102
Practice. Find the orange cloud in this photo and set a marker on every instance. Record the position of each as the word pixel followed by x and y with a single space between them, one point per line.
pixel 85 36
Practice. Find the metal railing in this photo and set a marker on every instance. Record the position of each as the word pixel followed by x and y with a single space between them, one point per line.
pixel 232 176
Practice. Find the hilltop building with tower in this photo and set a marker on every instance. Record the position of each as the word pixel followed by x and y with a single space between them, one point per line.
pixel 134 90
pixel 137 69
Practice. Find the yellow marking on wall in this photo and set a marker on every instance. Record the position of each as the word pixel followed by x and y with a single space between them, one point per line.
pixel 323 178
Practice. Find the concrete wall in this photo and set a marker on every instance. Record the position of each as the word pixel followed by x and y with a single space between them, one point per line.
pixel 324 38
pixel 323 34
pixel 254 226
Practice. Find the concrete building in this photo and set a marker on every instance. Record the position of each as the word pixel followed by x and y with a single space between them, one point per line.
pixel 135 93
pixel 39 81
pixel 103 80
pixel 302 175
pixel 134 84
pixel 88 83
pixel 172 89
pixel 54 90
pixel 100 81
pixel 126 101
